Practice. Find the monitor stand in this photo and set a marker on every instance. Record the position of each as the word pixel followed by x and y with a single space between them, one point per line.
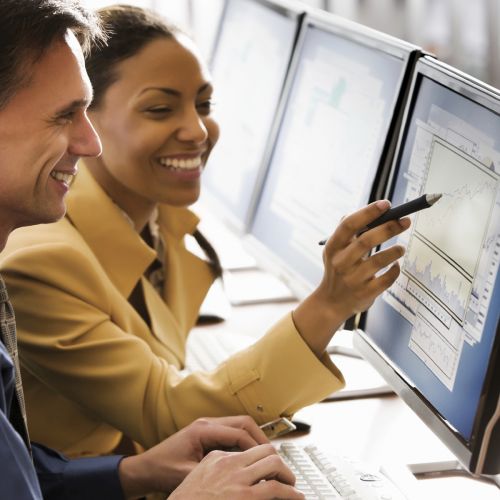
pixel 363 381
pixel 446 468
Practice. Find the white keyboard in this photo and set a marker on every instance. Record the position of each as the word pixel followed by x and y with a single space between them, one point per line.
pixel 206 349
pixel 327 477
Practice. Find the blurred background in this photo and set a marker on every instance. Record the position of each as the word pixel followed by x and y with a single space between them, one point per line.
pixel 464 33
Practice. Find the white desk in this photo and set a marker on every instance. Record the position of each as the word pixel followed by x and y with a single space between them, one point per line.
pixel 380 430
pixel 384 430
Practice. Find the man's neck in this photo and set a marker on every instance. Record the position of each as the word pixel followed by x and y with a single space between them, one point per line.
pixel 4 234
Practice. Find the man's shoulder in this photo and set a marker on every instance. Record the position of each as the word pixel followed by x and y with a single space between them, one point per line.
pixel 44 244
pixel 43 236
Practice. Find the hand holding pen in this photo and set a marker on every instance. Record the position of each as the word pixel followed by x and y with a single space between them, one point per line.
pixel 352 276
pixel 394 213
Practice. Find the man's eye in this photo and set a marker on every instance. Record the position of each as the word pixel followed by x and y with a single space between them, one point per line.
pixel 66 117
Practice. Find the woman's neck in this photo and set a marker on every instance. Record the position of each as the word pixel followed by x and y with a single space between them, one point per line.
pixel 137 208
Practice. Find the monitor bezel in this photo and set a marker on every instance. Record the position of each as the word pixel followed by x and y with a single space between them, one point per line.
pixel 473 454
pixel 294 10
pixel 368 37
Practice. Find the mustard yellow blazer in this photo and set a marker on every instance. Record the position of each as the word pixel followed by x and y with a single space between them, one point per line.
pixel 93 369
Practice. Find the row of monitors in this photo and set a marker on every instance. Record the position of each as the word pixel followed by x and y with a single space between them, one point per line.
pixel 301 100
pixel 320 116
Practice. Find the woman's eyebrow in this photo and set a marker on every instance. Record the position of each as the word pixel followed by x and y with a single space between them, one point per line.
pixel 204 87
pixel 174 92
pixel 165 90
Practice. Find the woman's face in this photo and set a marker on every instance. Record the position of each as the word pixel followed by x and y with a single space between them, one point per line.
pixel 156 127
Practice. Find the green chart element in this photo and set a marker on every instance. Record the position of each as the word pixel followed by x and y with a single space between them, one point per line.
pixel 332 99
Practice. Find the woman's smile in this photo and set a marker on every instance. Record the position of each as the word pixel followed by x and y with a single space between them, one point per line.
pixel 181 162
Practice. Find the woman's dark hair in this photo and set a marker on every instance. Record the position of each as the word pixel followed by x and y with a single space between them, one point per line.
pixel 129 29
pixel 29 27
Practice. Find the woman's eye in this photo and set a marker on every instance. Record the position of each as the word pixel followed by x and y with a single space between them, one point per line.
pixel 160 110
pixel 205 107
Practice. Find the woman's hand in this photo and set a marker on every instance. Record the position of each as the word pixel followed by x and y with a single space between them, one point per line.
pixel 352 278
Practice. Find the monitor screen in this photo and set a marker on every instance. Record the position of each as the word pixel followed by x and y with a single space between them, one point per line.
pixel 206 17
pixel 437 326
pixel 249 67
pixel 177 11
pixel 341 105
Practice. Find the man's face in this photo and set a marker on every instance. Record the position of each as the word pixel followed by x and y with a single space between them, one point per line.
pixel 43 131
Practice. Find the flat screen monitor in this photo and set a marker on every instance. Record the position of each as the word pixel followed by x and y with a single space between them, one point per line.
pixel 177 11
pixel 434 335
pixel 206 17
pixel 343 99
pixel 249 67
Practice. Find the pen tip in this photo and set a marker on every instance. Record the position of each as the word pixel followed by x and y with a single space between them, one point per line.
pixel 432 198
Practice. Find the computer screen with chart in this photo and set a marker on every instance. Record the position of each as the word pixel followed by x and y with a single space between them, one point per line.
pixel 343 100
pixel 249 67
pixel 434 335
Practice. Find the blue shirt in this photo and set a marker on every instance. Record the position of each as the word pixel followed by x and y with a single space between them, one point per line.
pixel 49 472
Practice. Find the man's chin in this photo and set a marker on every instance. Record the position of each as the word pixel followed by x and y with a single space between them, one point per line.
pixel 46 216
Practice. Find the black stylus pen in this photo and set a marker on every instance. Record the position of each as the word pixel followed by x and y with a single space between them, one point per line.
pixel 410 207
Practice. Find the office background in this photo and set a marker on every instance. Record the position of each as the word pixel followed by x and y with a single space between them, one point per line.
pixel 462 33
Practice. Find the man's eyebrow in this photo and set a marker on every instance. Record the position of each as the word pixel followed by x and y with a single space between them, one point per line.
pixel 73 106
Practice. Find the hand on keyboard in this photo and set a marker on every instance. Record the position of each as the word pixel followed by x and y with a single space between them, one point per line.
pixel 256 473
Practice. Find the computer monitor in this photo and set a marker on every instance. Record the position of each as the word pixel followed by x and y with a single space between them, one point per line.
pixel 249 67
pixel 337 134
pixel 206 18
pixel 434 335
pixel 177 11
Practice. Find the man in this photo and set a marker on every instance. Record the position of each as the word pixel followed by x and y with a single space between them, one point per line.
pixel 44 130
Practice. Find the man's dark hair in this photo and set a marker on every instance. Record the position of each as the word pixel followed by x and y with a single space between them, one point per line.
pixel 129 29
pixel 29 27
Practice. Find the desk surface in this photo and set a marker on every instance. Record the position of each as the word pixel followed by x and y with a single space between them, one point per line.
pixel 384 430
pixel 380 430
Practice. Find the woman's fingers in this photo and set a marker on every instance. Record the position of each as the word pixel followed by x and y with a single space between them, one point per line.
pixel 355 222
pixel 376 286
pixel 371 266
pixel 361 246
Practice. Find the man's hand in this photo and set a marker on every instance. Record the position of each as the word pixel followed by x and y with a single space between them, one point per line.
pixel 258 473
pixel 163 467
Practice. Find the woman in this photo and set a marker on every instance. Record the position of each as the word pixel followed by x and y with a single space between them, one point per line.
pixel 106 297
